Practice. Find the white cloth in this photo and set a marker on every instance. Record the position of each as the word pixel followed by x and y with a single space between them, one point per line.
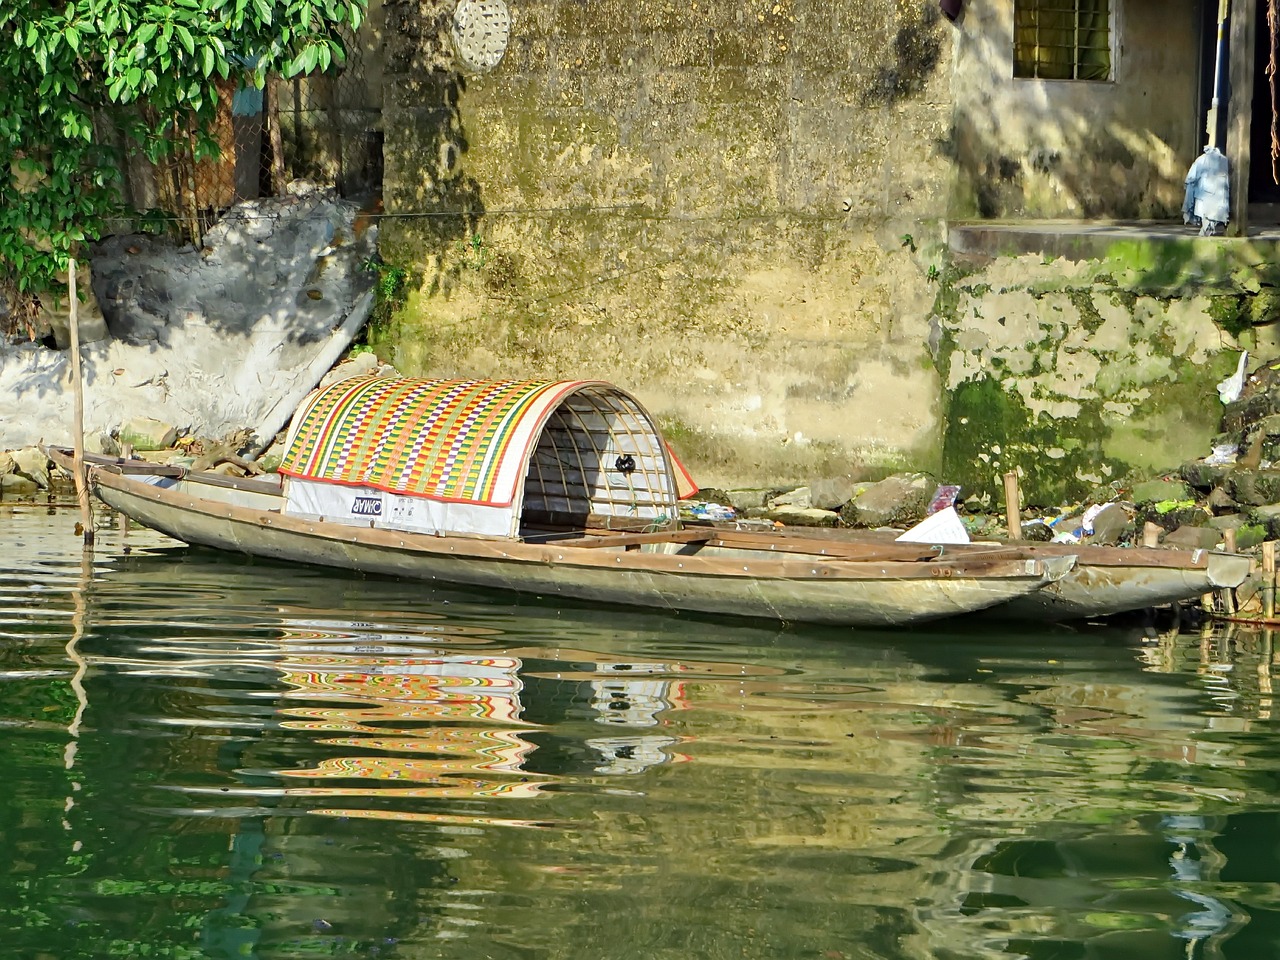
pixel 1208 196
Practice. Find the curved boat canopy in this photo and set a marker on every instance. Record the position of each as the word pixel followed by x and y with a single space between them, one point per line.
pixel 487 457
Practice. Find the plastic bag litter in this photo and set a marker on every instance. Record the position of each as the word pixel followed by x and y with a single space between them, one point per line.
pixel 1223 454
pixel 945 526
pixel 1229 390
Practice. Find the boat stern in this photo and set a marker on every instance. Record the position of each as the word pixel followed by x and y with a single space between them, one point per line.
pixel 1228 570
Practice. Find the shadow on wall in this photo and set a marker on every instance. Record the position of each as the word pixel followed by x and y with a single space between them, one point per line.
pixel 451 202
pixel 917 49
pixel 1117 149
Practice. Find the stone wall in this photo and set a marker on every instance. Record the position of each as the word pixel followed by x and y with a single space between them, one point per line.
pixel 732 209
pixel 736 211
pixel 1078 375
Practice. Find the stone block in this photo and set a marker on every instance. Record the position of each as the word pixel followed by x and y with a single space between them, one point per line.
pixel 1239 414
pixel 1194 538
pixel 143 433
pixel 1268 426
pixel 1205 476
pixel 800 517
pixel 1254 487
pixel 832 493
pixel 1170 515
pixel 102 443
pixel 1233 521
pixel 1160 491
pixel 896 500
pixel 1220 502
pixel 1037 531
pixel 32 463
pixel 798 499
pixel 1112 524
pixel 16 485
pixel 744 500
pixel 1267 518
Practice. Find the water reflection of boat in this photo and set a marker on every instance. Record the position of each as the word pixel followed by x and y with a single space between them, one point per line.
pixel 1129 891
pixel 452 725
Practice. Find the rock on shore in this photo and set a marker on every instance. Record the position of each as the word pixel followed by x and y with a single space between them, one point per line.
pixel 208 340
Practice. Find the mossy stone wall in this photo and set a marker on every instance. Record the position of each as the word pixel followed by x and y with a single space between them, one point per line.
pixel 1074 379
pixel 731 209
pixel 736 210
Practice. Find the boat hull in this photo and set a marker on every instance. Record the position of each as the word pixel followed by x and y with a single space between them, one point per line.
pixel 1094 590
pixel 670 576
pixel 1105 580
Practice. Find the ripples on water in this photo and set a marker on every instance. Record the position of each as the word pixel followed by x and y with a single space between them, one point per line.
pixel 209 757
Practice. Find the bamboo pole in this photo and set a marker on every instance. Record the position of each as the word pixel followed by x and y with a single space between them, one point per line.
pixel 77 427
pixel 1269 580
pixel 1012 505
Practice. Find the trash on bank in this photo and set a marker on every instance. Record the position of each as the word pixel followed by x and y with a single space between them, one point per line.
pixel 701 510
pixel 1229 390
pixel 943 497
pixel 1208 193
pixel 945 526
pixel 1223 455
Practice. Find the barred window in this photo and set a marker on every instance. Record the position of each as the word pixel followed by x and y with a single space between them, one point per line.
pixel 1062 39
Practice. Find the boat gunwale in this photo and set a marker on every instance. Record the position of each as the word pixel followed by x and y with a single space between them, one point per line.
pixel 825 567
pixel 1088 554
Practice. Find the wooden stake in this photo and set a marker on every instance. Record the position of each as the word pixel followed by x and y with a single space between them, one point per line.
pixel 1229 541
pixel 77 427
pixel 1269 580
pixel 1013 505
pixel 1151 534
pixel 271 109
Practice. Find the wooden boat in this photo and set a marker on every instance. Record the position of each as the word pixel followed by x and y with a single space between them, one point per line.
pixel 1110 580
pixel 1105 580
pixel 549 487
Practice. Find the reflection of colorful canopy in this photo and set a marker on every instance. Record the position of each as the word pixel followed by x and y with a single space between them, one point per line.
pixel 476 456
pixel 455 440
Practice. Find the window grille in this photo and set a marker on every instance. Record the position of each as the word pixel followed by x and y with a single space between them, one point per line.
pixel 1062 39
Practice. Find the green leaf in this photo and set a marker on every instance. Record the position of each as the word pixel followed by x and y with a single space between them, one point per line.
pixel 188 43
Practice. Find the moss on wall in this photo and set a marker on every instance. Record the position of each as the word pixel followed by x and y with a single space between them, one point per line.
pixel 991 431
pixel 1070 376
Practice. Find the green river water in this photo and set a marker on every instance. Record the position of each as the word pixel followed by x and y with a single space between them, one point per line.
pixel 204 756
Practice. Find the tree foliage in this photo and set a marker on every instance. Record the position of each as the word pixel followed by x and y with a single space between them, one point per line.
pixel 82 77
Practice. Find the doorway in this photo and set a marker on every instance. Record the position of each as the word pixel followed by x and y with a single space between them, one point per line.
pixel 1263 188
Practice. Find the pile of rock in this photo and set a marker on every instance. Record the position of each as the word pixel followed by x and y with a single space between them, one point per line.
pixel 24 473
pixel 28 472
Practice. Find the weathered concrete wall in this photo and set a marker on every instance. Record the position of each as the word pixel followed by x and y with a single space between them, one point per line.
pixel 730 208
pixel 1047 148
pixel 1063 372
pixel 735 210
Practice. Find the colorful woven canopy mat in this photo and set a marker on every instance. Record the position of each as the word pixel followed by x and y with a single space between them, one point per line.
pixel 459 441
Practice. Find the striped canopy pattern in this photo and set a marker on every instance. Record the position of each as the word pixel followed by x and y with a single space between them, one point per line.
pixel 458 441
